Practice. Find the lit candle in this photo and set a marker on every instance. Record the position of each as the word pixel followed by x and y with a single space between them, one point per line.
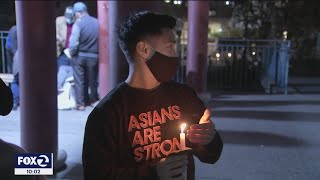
pixel 183 136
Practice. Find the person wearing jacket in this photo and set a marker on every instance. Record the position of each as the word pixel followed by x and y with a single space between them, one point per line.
pixel 15 85
pixel 6 97
pixel 84 49
pixel 8 151
pixel 63 32
pixel 11 47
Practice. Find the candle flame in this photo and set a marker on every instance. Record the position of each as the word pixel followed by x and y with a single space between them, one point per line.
pixel 183 126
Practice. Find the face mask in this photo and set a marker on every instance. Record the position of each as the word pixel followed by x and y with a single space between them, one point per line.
pixel 69 21
pixel 163 67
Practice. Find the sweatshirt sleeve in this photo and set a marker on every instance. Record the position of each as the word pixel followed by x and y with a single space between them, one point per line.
pixel 101 156
pixel 211 152
pixel 6 102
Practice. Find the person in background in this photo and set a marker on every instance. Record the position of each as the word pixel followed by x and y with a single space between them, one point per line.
pixel 11 47
pixel 84 49
pixel 8 150
pixel 6 97
pixel 15 83
pixel 63 29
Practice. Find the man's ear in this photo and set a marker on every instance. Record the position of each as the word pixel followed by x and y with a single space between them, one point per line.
pixel 143 50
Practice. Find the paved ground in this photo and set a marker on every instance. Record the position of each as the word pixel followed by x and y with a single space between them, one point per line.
pixel 266 137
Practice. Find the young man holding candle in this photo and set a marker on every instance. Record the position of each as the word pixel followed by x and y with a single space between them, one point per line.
pixel 134 132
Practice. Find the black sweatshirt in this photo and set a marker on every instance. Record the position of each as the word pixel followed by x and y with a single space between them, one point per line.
pixel 131 129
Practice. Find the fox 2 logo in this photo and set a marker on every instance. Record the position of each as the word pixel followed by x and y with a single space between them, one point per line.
pixel 43 160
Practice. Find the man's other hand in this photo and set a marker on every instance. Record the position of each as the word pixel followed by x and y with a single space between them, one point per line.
pixel 172 167
pixel 204 132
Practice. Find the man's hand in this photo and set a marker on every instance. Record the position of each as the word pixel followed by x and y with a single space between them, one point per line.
pixel 204 132
pixel 60 45
pixel 172 167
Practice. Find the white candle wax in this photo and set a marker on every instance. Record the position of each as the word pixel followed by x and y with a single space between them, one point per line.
pixel 183 140
pixel 183 145
pixel 183 137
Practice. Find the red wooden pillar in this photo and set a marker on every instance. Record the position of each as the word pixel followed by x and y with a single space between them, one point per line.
pixel 38 75
pixel 197 45
pixel 104 72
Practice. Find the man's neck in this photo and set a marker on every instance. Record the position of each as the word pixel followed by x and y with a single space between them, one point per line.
pixel 141 77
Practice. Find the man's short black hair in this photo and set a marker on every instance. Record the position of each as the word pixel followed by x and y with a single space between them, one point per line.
pixel 139 25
